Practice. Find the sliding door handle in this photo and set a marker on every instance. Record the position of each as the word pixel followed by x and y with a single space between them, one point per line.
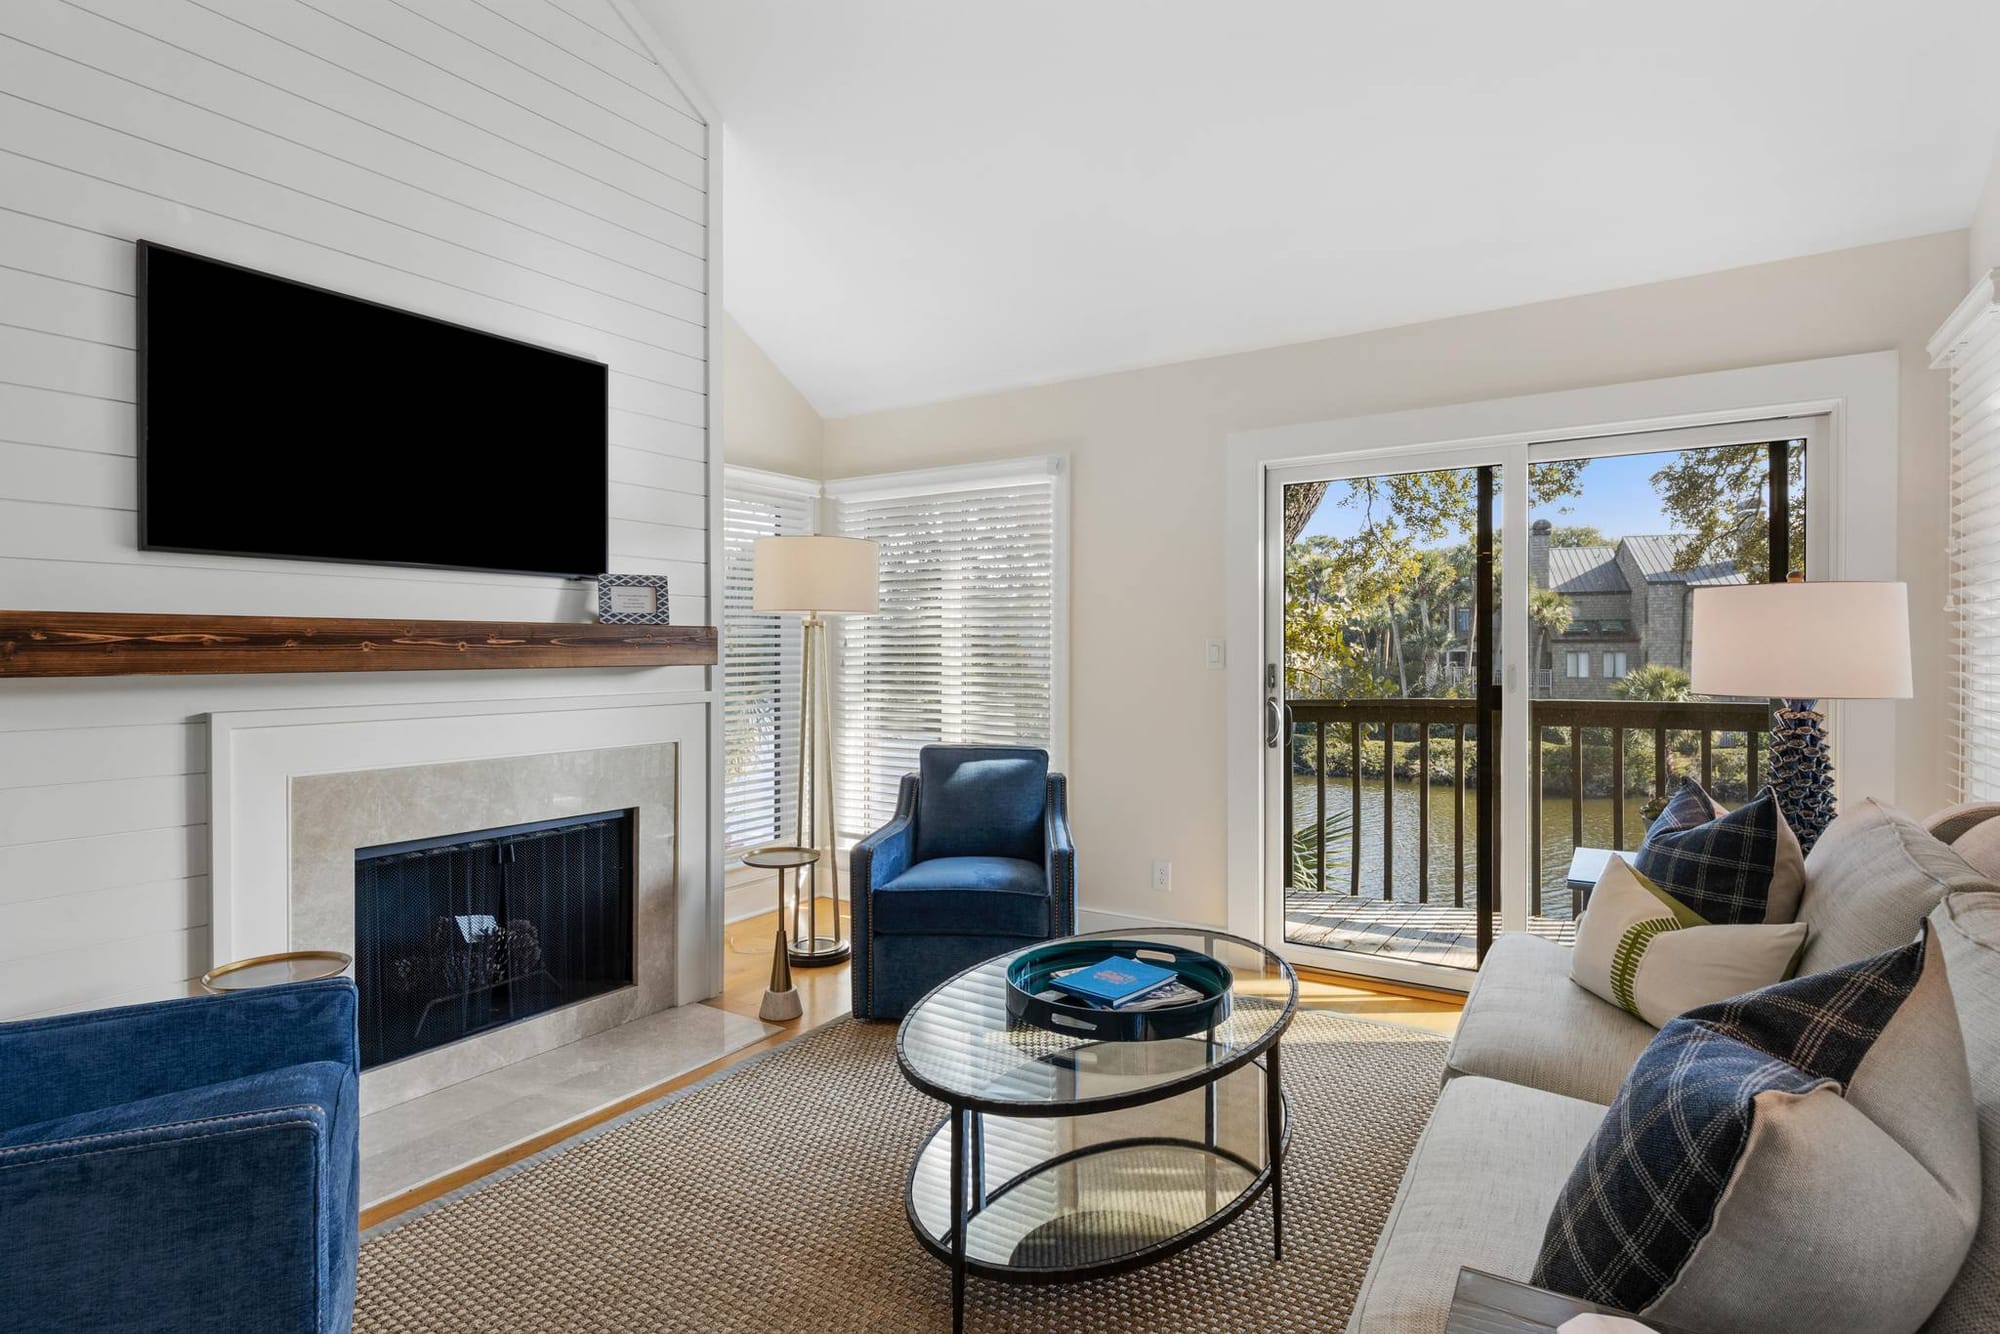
pixel 1273 722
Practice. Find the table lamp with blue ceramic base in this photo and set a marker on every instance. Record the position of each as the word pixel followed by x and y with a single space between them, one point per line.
pixel 1801 643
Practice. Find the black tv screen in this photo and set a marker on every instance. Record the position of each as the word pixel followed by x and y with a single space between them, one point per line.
pixel 277 419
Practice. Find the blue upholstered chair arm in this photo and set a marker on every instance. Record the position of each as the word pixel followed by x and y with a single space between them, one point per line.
pixel 72 1063
pixel 186 1165
pixel 1059 859
pixel 886 853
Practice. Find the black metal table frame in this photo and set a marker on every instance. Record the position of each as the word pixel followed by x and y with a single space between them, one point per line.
pixel 967 1163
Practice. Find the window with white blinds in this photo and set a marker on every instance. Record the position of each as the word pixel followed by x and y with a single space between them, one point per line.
pixel 1969 346
pixel 968 645
pixel 760 672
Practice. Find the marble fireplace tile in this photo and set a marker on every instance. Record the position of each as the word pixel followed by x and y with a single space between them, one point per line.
pixel 331 815
pixel 417 1140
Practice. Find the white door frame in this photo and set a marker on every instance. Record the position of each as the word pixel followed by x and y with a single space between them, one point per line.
pixel 1857 395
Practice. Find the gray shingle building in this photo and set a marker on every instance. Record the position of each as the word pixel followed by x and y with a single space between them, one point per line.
pixel 1629 608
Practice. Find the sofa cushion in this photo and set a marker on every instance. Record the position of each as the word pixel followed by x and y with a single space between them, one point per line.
pixel 1872 878
pixel 1477 1192
pixel 1967 926
pixel 1527 1023
pixel 1732 867
pixel 314 1089
pixel 1829 1117
pixel 964 896
pixel 1654 957
pixel 981 801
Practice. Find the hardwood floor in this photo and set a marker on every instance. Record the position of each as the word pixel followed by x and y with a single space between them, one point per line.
pixel 824 994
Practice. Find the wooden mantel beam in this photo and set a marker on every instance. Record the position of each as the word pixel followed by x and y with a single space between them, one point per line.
pixel 89 643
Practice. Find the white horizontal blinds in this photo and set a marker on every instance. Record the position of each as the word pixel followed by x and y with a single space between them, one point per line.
pixel 1970 347
pixel 964 647
pixel 760 675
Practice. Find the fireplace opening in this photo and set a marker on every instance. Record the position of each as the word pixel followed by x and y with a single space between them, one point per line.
pixel 465 933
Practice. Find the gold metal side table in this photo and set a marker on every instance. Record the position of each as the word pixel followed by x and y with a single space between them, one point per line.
pixel 781 998
pixel 272 970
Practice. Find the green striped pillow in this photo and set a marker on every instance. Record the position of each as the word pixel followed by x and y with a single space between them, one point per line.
pixel 1648 953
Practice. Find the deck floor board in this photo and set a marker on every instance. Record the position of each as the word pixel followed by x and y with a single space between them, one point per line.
pixel 1427 932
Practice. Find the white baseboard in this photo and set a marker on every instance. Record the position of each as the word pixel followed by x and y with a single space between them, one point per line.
pixel 747 894
pixel 1101 919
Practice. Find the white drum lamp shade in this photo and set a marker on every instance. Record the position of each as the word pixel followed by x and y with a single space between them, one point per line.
pixel 1803 641
pixel 814 574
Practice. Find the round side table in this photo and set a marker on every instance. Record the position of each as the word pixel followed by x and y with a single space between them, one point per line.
pixel 781 998
pixel 271 970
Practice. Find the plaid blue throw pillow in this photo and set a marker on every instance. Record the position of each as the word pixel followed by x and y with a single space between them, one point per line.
pixel 1759 1128
pixel 1733 867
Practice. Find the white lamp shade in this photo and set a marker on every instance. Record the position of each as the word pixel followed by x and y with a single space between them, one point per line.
pixel 814 574
pixel 1803 641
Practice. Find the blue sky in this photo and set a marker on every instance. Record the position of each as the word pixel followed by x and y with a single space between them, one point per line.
pixel 1617 497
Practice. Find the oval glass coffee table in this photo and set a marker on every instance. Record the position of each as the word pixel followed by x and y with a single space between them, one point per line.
pixel 1065 1158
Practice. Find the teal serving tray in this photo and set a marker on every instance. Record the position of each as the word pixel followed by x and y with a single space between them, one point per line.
pixel 1030 971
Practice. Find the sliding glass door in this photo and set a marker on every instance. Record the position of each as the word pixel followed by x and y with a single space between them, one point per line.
pixel 1380 700
pixel 1453 737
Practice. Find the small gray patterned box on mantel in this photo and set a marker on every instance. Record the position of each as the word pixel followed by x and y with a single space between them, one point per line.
pixel 632 599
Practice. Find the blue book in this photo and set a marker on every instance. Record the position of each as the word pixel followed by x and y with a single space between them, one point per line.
pixel 1114 981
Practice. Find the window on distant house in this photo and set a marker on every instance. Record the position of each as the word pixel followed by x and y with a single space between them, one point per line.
pixel 968 645
pixel 760 676
pixel 1576 664
pixel 1614 666
pixel 1614 629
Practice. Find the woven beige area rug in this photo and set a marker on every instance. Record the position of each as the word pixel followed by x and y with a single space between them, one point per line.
pixel 771 1199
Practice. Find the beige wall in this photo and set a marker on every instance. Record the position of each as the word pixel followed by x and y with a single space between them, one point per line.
pixel 766 423
pixel 1985 247
pixel 1147 734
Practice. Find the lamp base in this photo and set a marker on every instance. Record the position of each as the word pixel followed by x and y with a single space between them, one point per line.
pixel 1802 770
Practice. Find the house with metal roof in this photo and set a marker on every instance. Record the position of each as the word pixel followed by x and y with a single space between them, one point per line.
pixel 1628 609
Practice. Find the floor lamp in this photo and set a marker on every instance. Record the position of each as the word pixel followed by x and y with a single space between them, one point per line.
pixel 817 577
pixel 1802 643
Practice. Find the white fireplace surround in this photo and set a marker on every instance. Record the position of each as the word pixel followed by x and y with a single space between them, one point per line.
pixel 255 756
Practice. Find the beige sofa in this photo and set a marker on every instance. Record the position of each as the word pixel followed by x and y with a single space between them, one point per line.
pixel 1537 1059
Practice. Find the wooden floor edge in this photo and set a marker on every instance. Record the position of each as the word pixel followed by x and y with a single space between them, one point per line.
pixel 424 1192
pixel 1410 989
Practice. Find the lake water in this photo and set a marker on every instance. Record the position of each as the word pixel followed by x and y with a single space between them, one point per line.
pixel 1556 839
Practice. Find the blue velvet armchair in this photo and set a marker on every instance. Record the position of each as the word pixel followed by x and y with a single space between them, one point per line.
pixel 976 861
pixel 190 1165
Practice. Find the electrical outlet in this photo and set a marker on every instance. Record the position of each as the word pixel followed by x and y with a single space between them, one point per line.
pixel 1163 877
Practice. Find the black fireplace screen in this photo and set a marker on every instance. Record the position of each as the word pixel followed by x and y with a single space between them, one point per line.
pixel 461 934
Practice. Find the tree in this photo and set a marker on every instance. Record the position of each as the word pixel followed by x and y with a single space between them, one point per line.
pixel 1383 588
pixel 1717 500
pixel 1656 684
pixel 1552 615
pixel 1578 535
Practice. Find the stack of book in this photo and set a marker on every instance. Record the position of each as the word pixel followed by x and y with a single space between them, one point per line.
pixel 1121 984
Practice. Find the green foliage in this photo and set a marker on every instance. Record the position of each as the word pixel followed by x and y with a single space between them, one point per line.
pixel 1578 535
pixel 1657 684
pixel 1306 845
pixel 1717 499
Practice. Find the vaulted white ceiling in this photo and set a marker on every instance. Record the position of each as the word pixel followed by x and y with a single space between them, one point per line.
pixel 928 198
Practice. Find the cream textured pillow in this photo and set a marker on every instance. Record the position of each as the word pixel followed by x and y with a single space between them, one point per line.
pixel 1647 952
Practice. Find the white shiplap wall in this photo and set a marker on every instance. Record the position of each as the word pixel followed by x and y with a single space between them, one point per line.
pixel 522 166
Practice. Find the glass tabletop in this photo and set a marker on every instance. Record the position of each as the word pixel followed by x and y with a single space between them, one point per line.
pixel 959 1044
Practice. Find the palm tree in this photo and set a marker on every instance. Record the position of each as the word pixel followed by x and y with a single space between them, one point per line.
pixel 1552 615
pixel 1657 684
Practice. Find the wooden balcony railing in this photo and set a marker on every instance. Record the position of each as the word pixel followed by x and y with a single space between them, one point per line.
pixel 1619 749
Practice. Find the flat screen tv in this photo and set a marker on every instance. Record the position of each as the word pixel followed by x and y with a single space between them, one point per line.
pixel 281 420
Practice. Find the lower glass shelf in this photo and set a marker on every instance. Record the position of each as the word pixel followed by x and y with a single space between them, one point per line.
pixel 1075 1197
